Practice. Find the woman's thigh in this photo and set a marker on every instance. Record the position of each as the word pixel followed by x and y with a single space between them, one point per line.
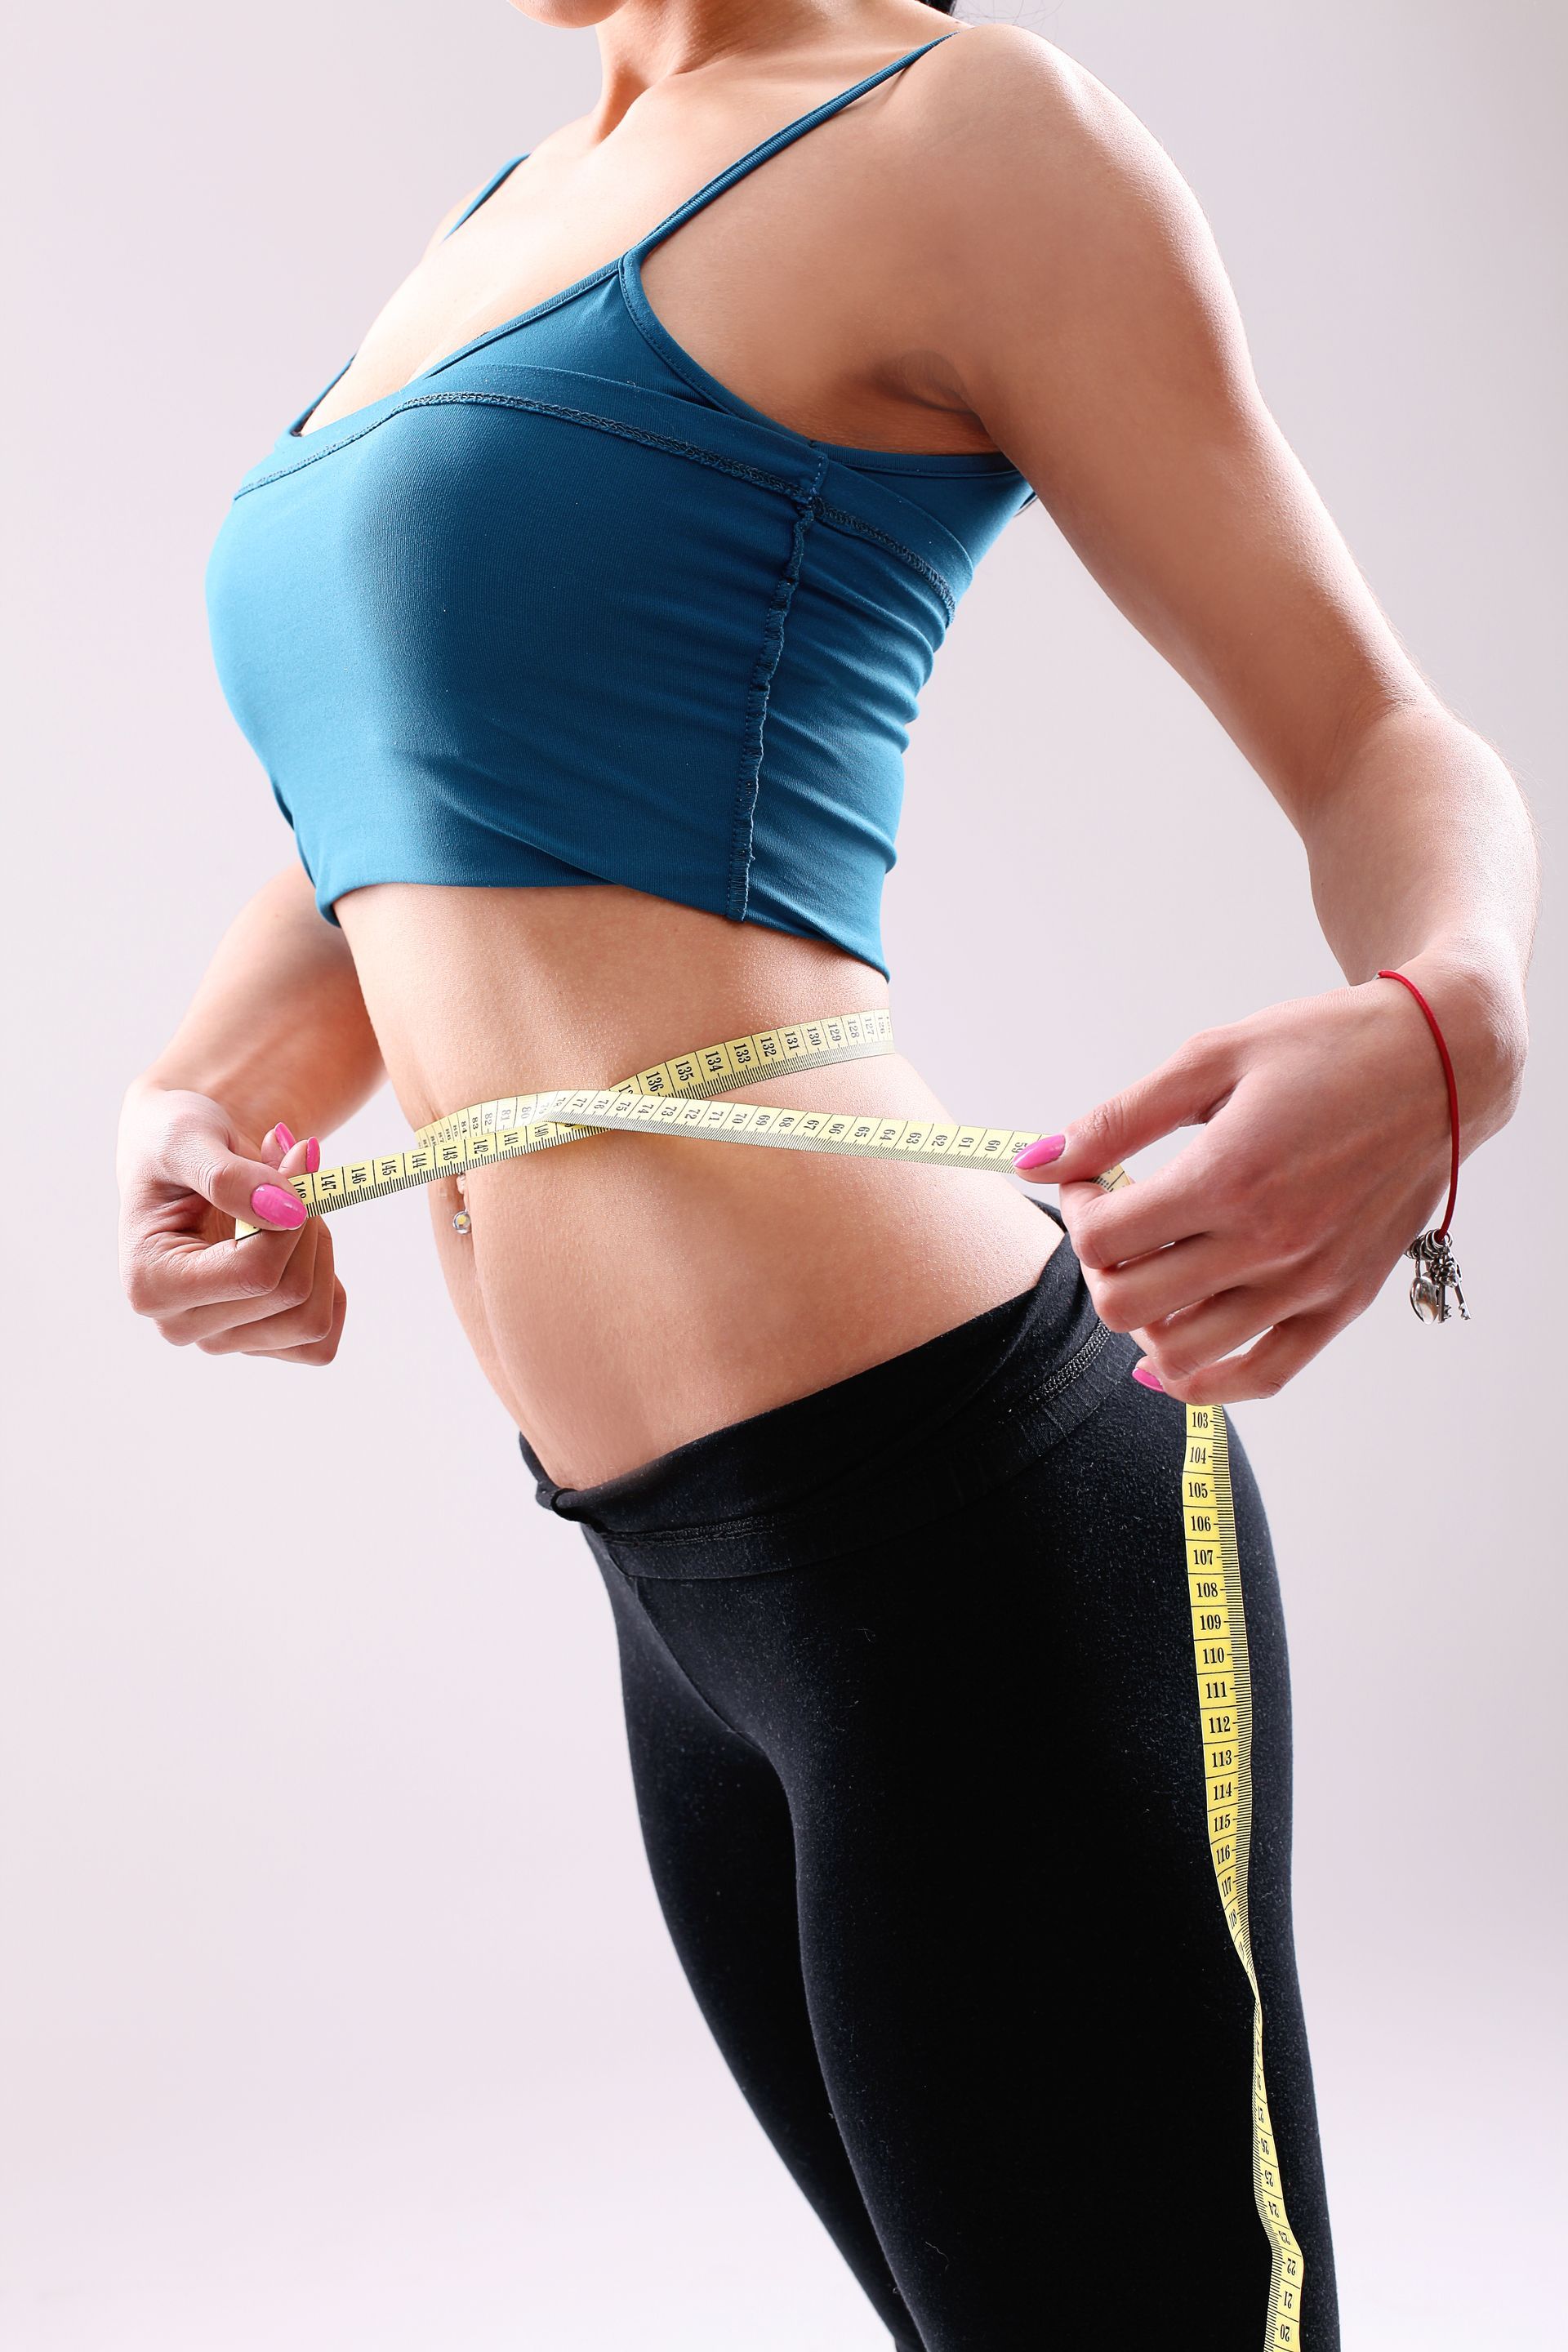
pixel 720 1848
pixel 1031 2019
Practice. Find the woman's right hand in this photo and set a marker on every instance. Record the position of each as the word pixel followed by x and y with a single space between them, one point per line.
pixel 185 1177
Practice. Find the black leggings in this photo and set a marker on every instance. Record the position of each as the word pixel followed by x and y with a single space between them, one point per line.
pixel 912 1710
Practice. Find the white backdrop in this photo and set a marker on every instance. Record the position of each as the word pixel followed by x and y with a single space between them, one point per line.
pixel 339 2016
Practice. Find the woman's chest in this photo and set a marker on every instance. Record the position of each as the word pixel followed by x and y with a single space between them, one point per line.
pixel 829 334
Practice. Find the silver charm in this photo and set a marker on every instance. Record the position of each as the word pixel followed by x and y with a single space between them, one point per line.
pixel 462 1223
pixel 1438 1273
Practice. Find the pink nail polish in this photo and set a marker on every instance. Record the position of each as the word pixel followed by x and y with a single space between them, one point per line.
pixel 1040 1155
pixel 277 1206
pixel 284 1137
pixel 313 1156
pixel 1148 1376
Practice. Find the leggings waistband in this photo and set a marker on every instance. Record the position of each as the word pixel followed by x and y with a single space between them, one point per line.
pixel 915 1437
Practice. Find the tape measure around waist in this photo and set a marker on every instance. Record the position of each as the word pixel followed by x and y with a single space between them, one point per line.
pixel 675 1097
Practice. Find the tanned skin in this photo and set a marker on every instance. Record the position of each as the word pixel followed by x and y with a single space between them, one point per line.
pixel 1062 301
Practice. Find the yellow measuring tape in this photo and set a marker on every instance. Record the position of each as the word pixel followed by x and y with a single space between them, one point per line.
pixel 674 1097
pixel 1224 1702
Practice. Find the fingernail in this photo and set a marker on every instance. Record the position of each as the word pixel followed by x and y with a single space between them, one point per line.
pixel 278 1207
pixel 284 1137
pixel 1145 1375
pixel 312 1157
pixel 1040 1155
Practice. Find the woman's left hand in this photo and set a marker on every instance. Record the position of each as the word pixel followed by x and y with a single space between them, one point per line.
pixel 1323 1151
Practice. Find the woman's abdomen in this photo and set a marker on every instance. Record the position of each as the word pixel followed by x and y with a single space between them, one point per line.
pixel 626 1294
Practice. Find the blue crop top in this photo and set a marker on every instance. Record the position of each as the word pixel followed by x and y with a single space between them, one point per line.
pixel 563 609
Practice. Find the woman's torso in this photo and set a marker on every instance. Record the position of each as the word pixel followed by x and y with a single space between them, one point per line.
pixel 627 1293
pixel 626 1296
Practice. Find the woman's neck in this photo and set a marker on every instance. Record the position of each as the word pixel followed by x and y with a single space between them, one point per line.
pixel 646 43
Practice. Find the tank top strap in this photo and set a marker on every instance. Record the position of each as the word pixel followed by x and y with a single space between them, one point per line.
pixel 773 144
pixel 491 184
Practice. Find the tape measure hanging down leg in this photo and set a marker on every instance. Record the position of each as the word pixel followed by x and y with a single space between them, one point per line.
pixel 674 1097
pixel 1224 1702
pixel 1225 1716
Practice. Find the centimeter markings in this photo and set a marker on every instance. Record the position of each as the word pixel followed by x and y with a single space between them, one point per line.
pixel 1225 1706
pixel 1224 1700
pixel 541 1121
pixel 671 1098
pixel 715 1069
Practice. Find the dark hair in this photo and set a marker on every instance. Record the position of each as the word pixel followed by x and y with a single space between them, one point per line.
pixel 942 7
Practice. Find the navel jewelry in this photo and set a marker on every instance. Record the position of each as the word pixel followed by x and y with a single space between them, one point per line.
pixel 1437 1270
pixel 462 1223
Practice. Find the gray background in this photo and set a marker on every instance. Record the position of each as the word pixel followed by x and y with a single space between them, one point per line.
pixel 338 2011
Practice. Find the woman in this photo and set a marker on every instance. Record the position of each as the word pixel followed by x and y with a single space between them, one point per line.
pixel 578 623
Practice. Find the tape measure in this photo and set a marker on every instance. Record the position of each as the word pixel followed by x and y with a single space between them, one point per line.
pixel 1224 1703
pixel 675 1097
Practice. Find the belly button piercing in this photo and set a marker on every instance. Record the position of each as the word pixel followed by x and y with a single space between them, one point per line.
pixel 462 1223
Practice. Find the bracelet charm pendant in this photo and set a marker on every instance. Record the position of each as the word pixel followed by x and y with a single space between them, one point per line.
pixel 1438 1274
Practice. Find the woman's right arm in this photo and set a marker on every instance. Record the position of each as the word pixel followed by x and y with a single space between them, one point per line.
pixel 276 1044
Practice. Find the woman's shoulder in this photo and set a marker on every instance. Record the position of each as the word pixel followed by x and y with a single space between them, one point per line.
pixel 1006 117
pixel 1047 185
pixel 996 74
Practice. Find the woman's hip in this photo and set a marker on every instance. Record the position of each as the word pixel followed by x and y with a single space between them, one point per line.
pixel 637 1293
pixel 855 1462
pixel 945 1612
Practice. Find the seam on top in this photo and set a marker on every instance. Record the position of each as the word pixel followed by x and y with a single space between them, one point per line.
pixel 748 786
pixel 843 521
pixel 794 489
pixel 485 399
pixel 924 465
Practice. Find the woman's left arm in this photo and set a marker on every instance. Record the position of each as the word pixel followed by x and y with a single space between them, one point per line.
pixel 1093 331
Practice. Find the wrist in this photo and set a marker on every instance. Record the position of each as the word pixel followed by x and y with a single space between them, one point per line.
pixel 158 1085
pixel 1477 998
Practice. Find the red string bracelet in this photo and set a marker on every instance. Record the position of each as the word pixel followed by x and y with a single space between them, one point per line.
pixel 1441 1230
pixel 1429 1291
